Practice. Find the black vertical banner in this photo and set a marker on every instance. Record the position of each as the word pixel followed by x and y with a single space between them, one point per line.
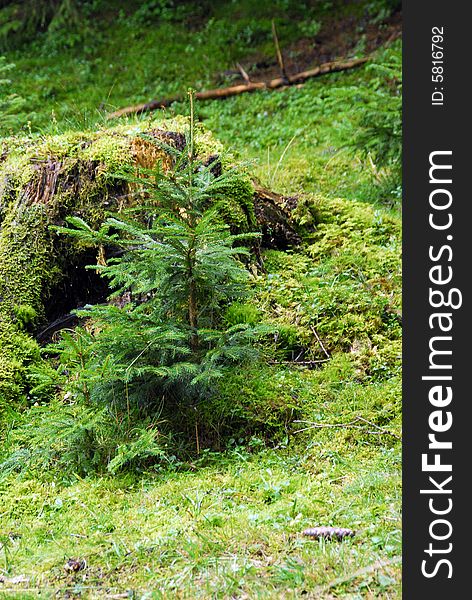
pixel 437 155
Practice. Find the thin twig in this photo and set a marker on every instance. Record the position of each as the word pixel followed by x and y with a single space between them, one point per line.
pixel 244 75
pixel 351 425
pixel 196 438
pixel 126 373
pixel 197 441
pixel 315 333
pixel 381 429
pixel 278 52
pixel 303 363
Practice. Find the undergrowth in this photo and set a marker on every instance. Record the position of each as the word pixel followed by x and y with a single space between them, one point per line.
pixel 210 501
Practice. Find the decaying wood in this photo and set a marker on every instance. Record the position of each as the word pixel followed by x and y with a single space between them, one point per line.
pixel 41 189
pixel 251 86
pixel 273 215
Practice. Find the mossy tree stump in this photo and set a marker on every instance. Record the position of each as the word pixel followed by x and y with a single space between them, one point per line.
pixel 45 179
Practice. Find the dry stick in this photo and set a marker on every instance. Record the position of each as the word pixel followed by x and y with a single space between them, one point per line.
pixel 278 52
pixel 196 437
pixel 298 362
pixel 395 35
pixel 381 429
pixel 244 75
pixel 315 333
pixel 351 425
pixel 197 441
pixel 219 93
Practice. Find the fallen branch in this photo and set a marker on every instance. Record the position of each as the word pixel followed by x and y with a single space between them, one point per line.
pixel 251 86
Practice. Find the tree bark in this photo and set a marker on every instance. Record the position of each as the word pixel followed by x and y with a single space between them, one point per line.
pixel 192 316
pixel 274 219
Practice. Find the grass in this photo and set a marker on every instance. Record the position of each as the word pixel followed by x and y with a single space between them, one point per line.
pixel 141 57
pixel 228 524
pixel 230 528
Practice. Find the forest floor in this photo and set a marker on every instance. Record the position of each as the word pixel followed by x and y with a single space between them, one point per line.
pixel 229 524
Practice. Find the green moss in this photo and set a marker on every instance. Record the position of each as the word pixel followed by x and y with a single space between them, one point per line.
pixel 239 312
pixel 25 275
pixel 236 204
pixel 257 400
pixel 110 149
pixel 24 268
pixel 346 284
pixel 221 512
pixel 25 314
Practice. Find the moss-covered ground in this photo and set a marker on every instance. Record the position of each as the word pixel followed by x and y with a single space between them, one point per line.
pixel 227 524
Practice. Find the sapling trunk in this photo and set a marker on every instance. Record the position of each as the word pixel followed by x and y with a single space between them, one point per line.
pixel 192 315
pixel 191 257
